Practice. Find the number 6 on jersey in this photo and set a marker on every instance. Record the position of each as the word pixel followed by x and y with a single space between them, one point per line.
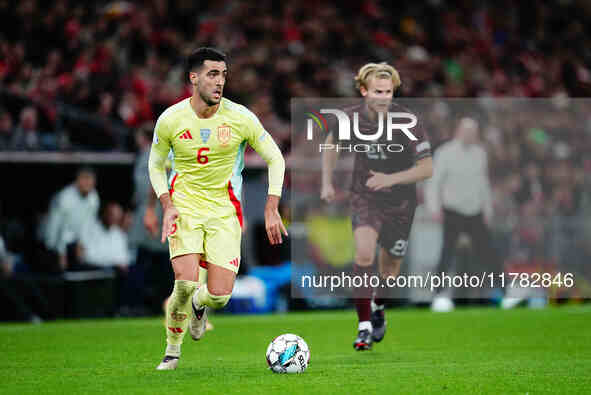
pixel 201 158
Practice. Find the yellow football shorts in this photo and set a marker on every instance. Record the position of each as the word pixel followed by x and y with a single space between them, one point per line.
pixel 217 239
pixel 215 233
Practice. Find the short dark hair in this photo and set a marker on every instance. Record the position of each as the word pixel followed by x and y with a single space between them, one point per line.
pixel 200 55
pixel 85 170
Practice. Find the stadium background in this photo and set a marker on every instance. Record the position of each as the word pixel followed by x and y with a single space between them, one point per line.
pixel 77 80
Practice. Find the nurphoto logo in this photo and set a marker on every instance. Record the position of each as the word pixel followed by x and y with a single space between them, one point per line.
pixel 392 122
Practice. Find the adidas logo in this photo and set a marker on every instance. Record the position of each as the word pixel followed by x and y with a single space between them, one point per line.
pixel 234 262
pixel 186 135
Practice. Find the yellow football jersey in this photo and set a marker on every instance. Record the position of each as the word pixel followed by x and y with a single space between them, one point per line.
pixel 209 153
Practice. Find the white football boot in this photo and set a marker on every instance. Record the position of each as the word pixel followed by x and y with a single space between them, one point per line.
pixel 197 325
pixel 168 363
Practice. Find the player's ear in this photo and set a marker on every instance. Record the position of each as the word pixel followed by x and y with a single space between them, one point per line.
pixel 193 77
pixel 363 90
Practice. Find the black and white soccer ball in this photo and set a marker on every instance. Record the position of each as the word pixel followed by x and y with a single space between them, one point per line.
pixel 288 353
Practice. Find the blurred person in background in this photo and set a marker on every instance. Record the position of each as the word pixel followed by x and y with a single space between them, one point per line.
pixel 103 241
pixel 71 209
pixel 460 192
pixel 26 136
pixel 104 245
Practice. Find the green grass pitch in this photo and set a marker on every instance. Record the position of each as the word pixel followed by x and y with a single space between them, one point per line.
pixel 476 350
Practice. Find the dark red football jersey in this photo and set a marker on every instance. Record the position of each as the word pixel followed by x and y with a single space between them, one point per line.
pixel 383 155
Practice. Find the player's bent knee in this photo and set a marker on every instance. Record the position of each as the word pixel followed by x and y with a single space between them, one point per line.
pixel 214 300
pixel 219 301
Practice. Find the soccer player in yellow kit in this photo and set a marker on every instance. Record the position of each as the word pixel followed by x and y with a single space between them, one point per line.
pixel 202 211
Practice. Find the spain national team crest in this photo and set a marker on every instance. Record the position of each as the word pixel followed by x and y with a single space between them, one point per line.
pixel 224 134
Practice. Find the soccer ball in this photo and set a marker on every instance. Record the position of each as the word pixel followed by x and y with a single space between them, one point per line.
pixel 288 353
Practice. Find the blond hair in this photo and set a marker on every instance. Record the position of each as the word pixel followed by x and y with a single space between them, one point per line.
pixel 376 70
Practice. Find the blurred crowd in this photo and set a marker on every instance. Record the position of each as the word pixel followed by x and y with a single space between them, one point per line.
pixel 77 76
pixel 82 75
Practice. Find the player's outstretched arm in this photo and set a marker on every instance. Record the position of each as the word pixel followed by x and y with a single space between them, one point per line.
pixel 329 160
pixel 422 170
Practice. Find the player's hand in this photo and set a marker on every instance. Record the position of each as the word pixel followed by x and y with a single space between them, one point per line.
pixel 168 222
pixel 327 193
pixel 151 221
pixel 379 181
pixel 273 223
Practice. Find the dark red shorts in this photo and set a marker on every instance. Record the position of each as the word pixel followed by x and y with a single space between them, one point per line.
pixel 392 222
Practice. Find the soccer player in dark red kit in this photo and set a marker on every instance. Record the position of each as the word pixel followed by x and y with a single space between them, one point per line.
pixel 383 193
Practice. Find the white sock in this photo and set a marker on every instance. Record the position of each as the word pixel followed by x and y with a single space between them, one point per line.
pixel 365 325
pixel 173 350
